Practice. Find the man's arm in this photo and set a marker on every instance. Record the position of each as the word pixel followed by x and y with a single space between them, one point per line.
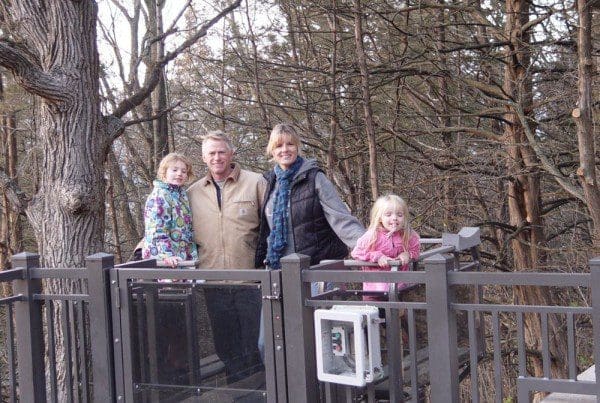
pixel 261 189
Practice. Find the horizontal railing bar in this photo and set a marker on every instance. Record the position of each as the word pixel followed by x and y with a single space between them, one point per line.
pixel 345 276
pixel 13 274
pixel 467 266
pixel 59 273
pixel 520 278
pixel 183 264
pixel 430 240
pixel 138 264
pixel 12 298
pixel 378 304
pixel 558 385
pixel 196 274
pixel 361 263
pixel 422 256
pixel 182 286
pixel 435 251
pixel 392 263
pixel 582 310
pixel 61 297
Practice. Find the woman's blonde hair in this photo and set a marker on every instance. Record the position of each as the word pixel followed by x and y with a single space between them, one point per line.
pixel 379 207
pixel 170 159
pixel 280 133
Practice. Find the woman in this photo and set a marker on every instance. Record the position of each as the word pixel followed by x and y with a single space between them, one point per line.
pixel 302 212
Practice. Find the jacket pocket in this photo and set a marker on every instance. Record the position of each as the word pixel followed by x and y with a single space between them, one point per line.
pixel 245 210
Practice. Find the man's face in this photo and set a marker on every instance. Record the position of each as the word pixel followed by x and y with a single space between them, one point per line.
pixel 217 157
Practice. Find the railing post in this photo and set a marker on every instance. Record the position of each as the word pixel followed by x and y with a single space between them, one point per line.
pixel 299 332
pixel 29 330
pixel 595 285
pixel 273 338
pixel 441 329
pixel 98 266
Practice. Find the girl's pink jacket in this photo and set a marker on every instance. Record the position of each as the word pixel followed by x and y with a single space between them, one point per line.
pixel 390 247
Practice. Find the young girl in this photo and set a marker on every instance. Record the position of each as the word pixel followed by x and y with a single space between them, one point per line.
pixel 168 234
pixel 389 237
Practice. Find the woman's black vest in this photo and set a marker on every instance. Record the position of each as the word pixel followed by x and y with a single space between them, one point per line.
pixel 312 234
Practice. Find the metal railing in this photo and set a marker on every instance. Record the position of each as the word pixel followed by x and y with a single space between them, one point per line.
pixel 460 333
pixel 108 349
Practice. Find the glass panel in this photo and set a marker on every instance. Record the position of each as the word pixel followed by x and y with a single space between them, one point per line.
pixel 197 342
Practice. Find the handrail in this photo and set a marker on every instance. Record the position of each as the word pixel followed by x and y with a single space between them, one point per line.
pixel 183 263
pixel 13 274
pixel 12 298
pixel 435 251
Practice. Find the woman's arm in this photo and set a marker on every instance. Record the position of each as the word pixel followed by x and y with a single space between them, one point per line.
pixel 344 224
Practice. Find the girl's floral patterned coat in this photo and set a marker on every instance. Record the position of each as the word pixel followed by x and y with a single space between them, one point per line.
pixel 168 224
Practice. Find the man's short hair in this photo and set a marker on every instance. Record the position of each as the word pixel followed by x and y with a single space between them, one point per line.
pixel 218 135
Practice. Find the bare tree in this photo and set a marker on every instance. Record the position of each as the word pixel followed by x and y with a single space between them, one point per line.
pixel 524 186
pixel 52 52
pixel 10 225
pixel 361 60
pixel 582 114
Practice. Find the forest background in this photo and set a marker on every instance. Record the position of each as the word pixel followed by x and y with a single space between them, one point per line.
pixel 478 113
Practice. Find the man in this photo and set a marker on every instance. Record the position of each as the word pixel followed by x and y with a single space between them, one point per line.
pixel 226 206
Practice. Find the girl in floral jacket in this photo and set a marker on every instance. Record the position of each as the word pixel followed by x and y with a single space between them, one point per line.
pixel 168 234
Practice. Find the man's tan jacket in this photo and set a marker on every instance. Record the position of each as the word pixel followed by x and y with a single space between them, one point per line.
pixel 227 237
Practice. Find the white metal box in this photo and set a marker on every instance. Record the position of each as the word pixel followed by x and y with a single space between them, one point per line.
pixel 348 350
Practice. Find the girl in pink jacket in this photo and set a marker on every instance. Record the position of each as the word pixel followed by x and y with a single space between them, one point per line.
pixel 389 237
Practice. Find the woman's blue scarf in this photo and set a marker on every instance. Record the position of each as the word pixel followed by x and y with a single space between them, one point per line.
pixel 278 236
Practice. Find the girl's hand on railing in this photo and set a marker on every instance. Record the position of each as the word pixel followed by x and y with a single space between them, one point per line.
pixel 171 261
pixel 383 261
pixel 178 263
pixel 404 258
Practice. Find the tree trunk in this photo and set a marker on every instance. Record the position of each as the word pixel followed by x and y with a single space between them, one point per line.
pixel 256 75
pixel 297 29
pixel 366 99
pixel 52 51
pixel 11 237
pixel 524 196
pixel 584 120
pixel 160 127
pixel 128 228
pixel 448 138
pixel 67 212
pixel 333 89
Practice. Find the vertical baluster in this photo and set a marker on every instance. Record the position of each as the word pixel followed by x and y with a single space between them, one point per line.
pixel 49 304
pixel 473 356
pixel 497 356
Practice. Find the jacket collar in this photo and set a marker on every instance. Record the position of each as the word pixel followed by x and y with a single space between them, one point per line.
pixel 233 176
pixel 300 175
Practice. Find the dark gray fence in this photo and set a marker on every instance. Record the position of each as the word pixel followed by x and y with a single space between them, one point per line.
pixel 110 347
pixel 460 333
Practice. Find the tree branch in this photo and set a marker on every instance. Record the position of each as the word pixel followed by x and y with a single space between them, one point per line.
pixel 153 117
pixel 18 200
pixel 28 73
pixel 546 163
pixel 154 76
